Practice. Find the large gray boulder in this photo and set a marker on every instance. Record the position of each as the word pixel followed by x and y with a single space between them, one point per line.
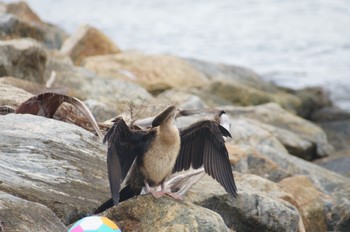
pixel 56 164
pixel 17 214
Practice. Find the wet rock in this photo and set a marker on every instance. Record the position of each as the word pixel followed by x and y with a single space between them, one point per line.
pixel 329 114
pixel 339 163
pixel 53 163
pixel 308 201
pixel 88 41
pixel 145 213
pixel 17 214
pixel 300 137
pixel 313 99
pixel 23 58
pixel 156 73
pixel 253 210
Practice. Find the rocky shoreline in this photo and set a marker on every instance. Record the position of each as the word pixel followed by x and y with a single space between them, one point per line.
pixel 290 150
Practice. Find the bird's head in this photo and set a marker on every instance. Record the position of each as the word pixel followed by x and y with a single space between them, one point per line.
pixel 166 115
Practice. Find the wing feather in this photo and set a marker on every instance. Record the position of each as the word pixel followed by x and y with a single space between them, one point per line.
pixel 202 144
pixel 124 145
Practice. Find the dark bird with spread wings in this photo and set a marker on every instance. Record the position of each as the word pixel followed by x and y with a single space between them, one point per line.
pixel 153 155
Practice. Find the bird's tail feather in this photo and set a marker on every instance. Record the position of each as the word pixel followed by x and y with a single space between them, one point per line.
pixel 126 193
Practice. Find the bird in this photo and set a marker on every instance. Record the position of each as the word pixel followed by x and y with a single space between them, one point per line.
pixel 145 158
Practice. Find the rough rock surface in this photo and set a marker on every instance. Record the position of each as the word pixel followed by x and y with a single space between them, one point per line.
pixel 10 96
pixel 156 73
pixel 251 211
pixel 308 201
pixel 18 21
pixel 22 58
pixel 57 164
pixel 145 213
pixel 17 214
pixel 84 84
pixel 301 137
pixel 242 86
pixel 87 41
pixel 338 187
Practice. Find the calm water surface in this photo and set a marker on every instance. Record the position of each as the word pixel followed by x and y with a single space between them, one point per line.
pixel 293 43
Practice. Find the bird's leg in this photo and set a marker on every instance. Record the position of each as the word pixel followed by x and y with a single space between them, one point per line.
pixel 148 189
pixel 162 192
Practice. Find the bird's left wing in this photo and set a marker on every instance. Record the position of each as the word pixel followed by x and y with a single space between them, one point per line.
pixel 203 144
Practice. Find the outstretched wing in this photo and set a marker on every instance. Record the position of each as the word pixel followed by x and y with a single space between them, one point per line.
pixel 123 147
pixel 203 144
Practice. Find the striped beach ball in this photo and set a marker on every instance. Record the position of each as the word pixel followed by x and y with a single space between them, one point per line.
pixel 94 224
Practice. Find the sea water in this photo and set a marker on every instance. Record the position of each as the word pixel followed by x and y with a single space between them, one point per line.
pixel 293 43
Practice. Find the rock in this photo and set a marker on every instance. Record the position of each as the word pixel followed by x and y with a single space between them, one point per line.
pixel 338 163
pixel 239 94
pixel 145 213
pixel 53 163
pixel 242 86
pixel 247 160
pixel 338 133
pixel 19 21
pixel 253 210
pixel 309 202
pixel 223 72
pixel 83 84
pixel 182 99
pixel 13 28
pixel 337 128
pixel 17 214
pixel 11 97
pixel 337 209
pixel 329 114
pixel 28 86
pixel 23 59
pixel 156 73
pixel 313 99
pixel 100 110
pixel 23 11
pixel 300 137
pixel 88 41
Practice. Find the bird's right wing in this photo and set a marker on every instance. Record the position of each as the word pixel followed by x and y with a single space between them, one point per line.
pixel 123 147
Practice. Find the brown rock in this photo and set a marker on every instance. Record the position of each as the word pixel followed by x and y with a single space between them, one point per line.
pixel 22 58
pixel 145 213
pixel 87 41
pixel 260 205
pixel 156 73
pixel 309 201
pixel 23 11
pixel 11 97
